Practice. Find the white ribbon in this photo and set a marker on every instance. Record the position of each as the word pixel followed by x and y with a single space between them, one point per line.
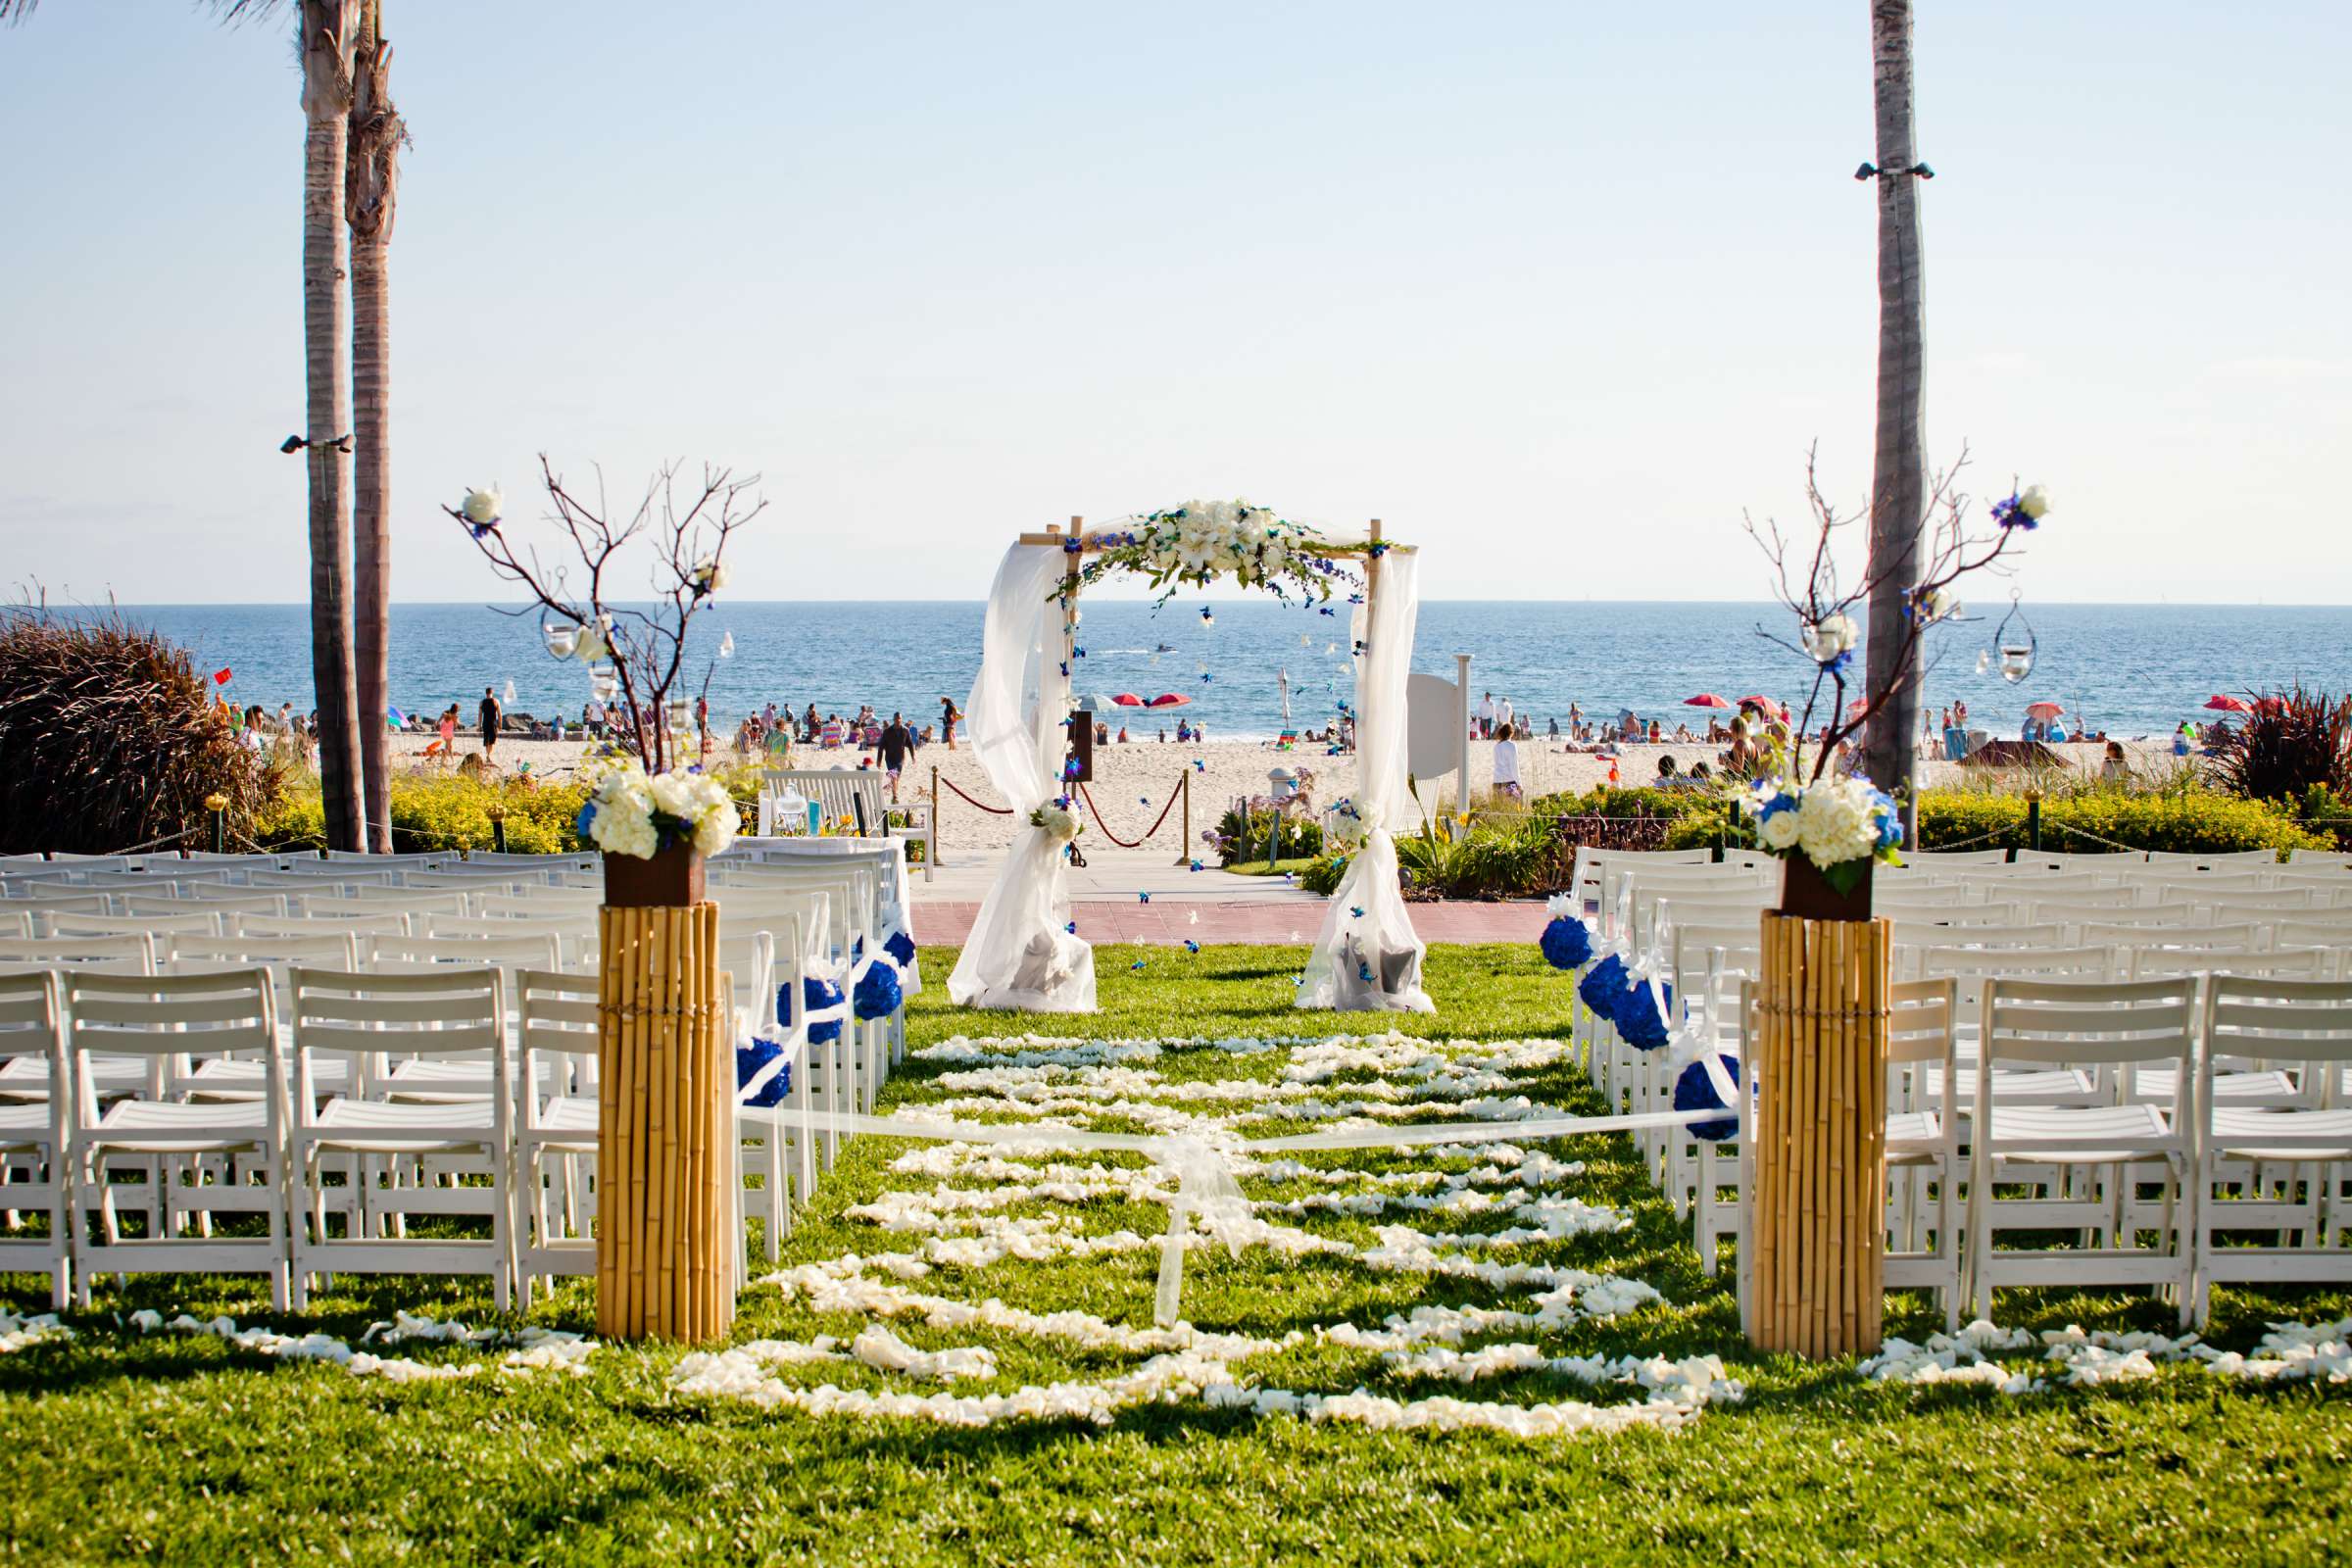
pixel 1206 1191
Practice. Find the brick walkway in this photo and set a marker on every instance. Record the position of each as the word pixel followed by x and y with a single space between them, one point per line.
pixel 1170 921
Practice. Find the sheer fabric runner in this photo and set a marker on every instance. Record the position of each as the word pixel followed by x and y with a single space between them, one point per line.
pixel 1020 953
pixel 1367 956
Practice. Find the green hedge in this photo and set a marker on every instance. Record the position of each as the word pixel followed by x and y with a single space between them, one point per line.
pixel 452 811
pixel 1301 836
pixel 2190 821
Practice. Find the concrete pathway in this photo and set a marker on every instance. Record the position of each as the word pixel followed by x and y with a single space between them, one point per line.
pixel 1170 923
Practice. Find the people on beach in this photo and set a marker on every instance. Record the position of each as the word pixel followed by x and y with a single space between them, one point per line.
pixel 2115 767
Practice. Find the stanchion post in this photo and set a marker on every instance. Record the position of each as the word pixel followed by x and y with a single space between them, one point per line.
pixel 216 832
pixel 931 848
pixel 1184 839
pixel 498 828
pixel 2034 820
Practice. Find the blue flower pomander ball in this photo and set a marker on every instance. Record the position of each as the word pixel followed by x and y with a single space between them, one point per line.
pixel 1567 944
pixel 877 993
pixel 900 948
pixel 1639 1022
pixel 816 996
pixel 1696 1091
pixel 753 1059
pixel 1602 985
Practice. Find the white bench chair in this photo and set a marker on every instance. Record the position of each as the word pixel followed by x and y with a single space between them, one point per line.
pixel 839 794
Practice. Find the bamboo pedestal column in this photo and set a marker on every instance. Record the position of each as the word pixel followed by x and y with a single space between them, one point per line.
pixel 1818 1200
pixel 664 1168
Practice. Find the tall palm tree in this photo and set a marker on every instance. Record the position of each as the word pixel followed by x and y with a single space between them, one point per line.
pixel 1898 484
pixel 371 193
pixel 327 36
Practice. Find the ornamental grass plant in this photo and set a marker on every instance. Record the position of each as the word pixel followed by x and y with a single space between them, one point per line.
pixel 112 740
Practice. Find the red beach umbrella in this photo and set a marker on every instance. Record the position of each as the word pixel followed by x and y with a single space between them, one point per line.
pixel 1705 699
pixel 1128 700
pixel 1764 702
pixel 2045 709
pixel 1169 700
pixel 2229 704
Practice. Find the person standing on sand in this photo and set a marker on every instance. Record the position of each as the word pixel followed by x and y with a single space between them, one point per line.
pixel 947 720
pixel 1506 762
pixel 490 715
pixel 1486 716
pixel 896 746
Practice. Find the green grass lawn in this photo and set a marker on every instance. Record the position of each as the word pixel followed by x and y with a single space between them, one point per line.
pixel 1294 865
pixel 185 1450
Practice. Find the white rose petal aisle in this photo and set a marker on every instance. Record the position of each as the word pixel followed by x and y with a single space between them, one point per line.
pixel 1473 1200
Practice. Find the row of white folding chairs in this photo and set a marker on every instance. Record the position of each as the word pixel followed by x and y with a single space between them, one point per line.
pixel 2191 1082
pixel 430 1091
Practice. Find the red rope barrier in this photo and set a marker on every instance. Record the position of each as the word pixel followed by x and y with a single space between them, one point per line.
pixel 1000 810
pixel 1096 813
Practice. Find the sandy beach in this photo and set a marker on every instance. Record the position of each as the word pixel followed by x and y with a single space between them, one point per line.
pixel 1133 782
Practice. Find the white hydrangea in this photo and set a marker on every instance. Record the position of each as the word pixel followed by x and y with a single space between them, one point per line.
pixel 1834 822
pixel 1059 824
pixel 627 802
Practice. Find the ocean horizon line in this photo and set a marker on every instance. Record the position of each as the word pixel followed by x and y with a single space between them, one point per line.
pixel 1113 596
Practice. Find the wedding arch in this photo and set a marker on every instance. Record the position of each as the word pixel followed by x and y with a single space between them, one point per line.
pixel 1023 952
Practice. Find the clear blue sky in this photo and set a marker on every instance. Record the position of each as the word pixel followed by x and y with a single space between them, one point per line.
pixel 1556 288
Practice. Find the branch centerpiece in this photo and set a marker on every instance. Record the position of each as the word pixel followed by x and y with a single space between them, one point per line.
pixel 650 802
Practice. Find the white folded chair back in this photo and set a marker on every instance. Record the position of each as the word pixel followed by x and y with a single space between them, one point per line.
pixel 411 902
pixel 226 901
pixel 2203 860
pixel 2300 963
pixel 1923 1143
pixel 529 950
pixel 2243 936
pixel 541 904
pixel 347 875
pixel 391 922
pixel 576 939
pixel 109 952
pixel 15 922
pixel 155 925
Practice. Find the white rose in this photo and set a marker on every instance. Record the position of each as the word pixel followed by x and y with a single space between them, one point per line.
pixel 2035 501
pixel 710 575
pixel 1834 635
pixel 1777 831
pixel 481 507
pixel 673 793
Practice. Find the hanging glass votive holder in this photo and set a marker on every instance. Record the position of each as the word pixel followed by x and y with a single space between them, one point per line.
pixel 2016 643
pixel 562 637
pixel 604 682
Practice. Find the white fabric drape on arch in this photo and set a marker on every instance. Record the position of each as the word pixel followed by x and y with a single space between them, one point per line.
pixel 1367 956
pixel 1020 953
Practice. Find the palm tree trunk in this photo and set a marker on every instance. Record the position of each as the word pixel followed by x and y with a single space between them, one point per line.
pixel 371 193
pixel 327 36
pixel 1899 487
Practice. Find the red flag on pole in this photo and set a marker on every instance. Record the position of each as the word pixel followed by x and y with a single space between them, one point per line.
pixel 220 677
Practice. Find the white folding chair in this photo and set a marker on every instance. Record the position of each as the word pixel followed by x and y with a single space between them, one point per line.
pixel 34 1162
pixel 2284 1160
pixel 2109 1030
pixel 558 1136
pixel 438 1013
pixel 1924 1143
pixel 215 1156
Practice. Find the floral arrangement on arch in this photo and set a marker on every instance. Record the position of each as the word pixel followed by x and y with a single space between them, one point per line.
pixel 646 795
pixel 1841 825
pixel 1201 541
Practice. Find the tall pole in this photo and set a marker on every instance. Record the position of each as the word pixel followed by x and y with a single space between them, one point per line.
pixel 1899 488
pixel 1461 734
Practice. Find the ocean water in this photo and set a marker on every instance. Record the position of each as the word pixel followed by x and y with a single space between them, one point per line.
pixel 2129 669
